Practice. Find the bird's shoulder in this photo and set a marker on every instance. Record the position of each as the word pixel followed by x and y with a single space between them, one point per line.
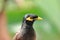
pixel 17 36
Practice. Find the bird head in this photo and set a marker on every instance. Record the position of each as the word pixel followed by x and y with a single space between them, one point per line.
pixel 32 17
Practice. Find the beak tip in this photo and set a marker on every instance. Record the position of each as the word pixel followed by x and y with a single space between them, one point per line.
pixel 40 18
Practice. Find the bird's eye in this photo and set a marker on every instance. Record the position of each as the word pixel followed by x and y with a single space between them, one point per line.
pixel 31 17
pixel 35 16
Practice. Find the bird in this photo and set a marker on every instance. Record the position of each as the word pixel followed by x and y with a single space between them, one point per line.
pixel 27 31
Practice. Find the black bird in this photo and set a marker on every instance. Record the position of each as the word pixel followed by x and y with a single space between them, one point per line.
pixel 27 32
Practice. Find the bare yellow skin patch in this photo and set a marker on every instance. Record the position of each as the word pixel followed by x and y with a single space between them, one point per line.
pixel 29 19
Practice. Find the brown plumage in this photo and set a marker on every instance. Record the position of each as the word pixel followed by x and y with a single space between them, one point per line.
pixel 27 32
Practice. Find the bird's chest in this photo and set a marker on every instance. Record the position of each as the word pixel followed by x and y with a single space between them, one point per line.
pixel 28 35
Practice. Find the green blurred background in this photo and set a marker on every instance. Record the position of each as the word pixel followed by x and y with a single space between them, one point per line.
pixel 49 10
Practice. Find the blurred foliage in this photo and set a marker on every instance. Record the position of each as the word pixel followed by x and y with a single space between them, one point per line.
pixel 49 10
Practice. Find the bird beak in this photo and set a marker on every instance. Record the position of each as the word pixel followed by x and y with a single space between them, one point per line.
pixel 39 18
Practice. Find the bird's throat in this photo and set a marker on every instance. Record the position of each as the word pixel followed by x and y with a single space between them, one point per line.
pixel 27 25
